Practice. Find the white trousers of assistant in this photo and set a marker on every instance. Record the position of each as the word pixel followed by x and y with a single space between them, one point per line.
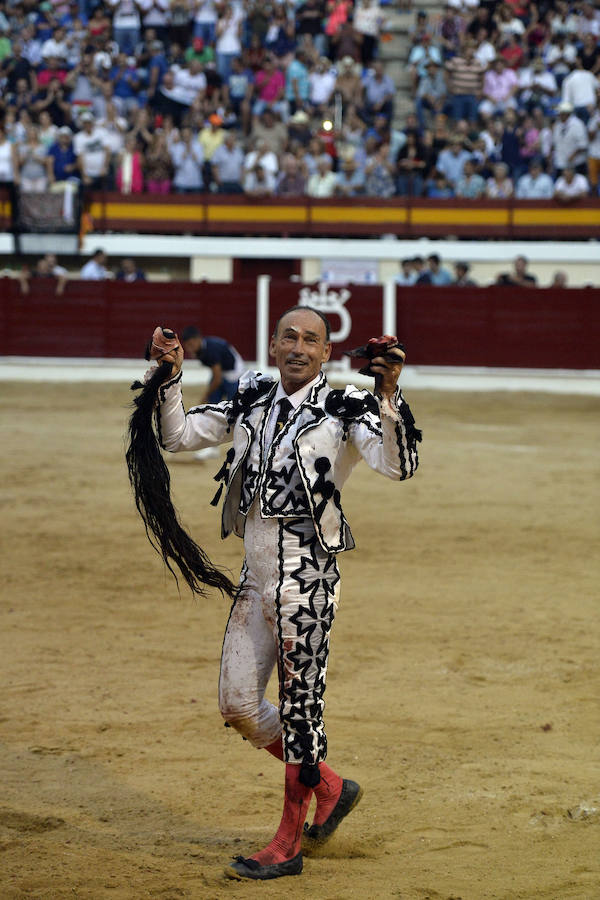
pixel 289 588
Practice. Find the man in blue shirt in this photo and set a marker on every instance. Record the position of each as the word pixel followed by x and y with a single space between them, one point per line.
pixel 62 156
pixel 222 358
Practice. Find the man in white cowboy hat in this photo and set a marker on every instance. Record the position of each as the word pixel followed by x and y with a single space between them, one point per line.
pixel 569 140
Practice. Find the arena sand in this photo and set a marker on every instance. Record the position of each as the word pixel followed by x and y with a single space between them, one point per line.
pixel 463 685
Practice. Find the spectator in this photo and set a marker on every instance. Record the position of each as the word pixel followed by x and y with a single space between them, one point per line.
pixel 228 41
pixel 411 167
pixel 227 166
pixel 205 20
pixel 471 185
pixel 519 277
pixel 322 83
pixel 422 271
pixel 157 67
pixel 297 85
pixel 32 168
pixel 292 182
pixel 350 178
pixel 593 128
pixel 158 166
pixel 407 275
pixel 238 92
pixel 259 181
pixel 570 140
pixel 129 272
pixel 465 81
pixel 280 39
pixel 500 84
pixel 431 93
pixel 368 21
pixel 437 187
pixel 559 280
pixel 485 51
pixel 461 275
pixel 452 159
pixel 269 85
pixel 263 156
pixel 47 130
pixel 590 54
pixel 512 51
pixel 93 155
pixel 579 89
pixel 379 93
pixel 309 16
pixel 560 56
pixel 570 186
pixel 422 53
pixel 537 86
pixel 269 128
pixel 298 129
pixel 346 41
pixel 323 182
pixel 47 267
pixel 9 163
pixel 379 174
pixel 348 83
pixel 95 269
pixel 126 24
pixel 211 137
pixel 536 184
pixel 440 276
pixel 499 186
pixel 187 158
pixel 130 167
pixel 61 159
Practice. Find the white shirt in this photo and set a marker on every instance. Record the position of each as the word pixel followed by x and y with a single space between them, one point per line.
pixel 92 149
pixel 126 14
pixel 569 138
pixel 268 161
pixel 579 88
pixel 321 86
pixel 540 188
pixel 485 54
pixel 322 185
pixel 93 271
pixel 58 49
pixel 594 129
pixel 578 187
pixel 155 12
pixel 295 399
pixel 188 85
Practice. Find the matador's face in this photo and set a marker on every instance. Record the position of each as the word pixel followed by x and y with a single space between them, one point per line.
pixel 300 348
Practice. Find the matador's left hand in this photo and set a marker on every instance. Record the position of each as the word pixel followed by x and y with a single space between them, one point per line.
pixel 388 370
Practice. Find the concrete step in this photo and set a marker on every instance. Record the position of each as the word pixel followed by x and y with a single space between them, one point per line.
pixel 397 48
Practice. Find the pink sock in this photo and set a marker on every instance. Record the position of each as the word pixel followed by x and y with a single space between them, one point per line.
pixel 327 792
pixel 286 843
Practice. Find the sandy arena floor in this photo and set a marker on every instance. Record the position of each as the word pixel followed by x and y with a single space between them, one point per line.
pixel 463 683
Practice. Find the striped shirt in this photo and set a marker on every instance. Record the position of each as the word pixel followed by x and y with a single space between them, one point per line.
pixel 464 77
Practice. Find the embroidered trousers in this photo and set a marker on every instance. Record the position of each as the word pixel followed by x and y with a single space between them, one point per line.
pixel 283 615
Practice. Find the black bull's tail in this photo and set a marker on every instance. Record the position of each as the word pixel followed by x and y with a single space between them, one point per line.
pixel 151 484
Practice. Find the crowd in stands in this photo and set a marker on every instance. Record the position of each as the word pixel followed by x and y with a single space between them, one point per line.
pixel 418 271
pixel 291 99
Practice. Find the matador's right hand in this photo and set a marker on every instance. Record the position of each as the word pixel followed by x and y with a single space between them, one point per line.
pixel 164 347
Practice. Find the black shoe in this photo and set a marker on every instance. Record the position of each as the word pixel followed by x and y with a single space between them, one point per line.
pixel 249 868
pixel 349 797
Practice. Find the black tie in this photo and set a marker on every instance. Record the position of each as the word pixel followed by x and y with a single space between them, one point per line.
pixel 285 408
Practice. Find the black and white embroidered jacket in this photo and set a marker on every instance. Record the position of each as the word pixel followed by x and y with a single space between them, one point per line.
pixel 303 471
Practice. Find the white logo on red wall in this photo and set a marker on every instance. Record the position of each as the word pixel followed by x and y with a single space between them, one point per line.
pixel 329 302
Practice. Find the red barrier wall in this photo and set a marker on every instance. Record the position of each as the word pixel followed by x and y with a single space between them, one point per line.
pixel 525 328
